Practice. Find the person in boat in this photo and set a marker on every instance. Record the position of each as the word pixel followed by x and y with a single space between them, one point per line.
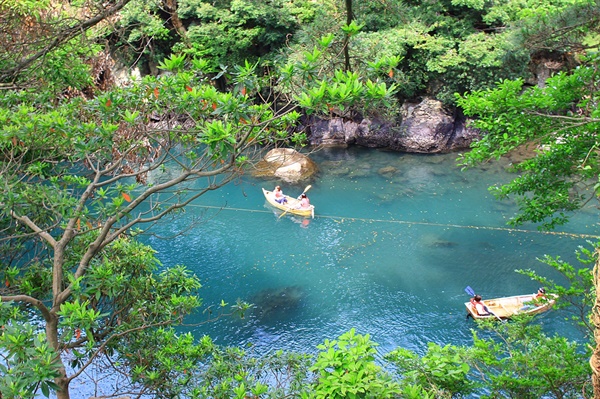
pixel 304 202
pixel 479 306
pixel 537 300
pixel 279 197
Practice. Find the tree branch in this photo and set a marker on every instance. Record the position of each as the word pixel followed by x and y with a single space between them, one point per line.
pixel 30 300
pixel 29 223
pixel 62 37
pixel 117 335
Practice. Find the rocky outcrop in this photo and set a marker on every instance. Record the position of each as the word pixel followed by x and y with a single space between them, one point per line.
pixel 427 127
pixel 287 164
pixel 545 63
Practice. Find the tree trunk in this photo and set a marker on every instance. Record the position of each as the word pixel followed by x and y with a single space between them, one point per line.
pixel 595 359
pixel 171 8
pixel 52 337
pixel 349 18
pixel 63 384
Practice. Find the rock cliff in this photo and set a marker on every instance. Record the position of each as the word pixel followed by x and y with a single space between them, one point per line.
pixel 426 127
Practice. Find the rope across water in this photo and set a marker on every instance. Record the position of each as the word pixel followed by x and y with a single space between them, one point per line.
pixel 341 219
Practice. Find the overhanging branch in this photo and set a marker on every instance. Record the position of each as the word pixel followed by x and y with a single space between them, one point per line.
pixel 30 300
pixel 62 37
pixel 29 223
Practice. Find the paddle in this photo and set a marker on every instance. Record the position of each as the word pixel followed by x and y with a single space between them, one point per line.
pixel 303 192
pixel 471 292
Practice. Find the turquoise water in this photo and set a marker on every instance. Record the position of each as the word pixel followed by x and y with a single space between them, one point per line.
pixel 389 252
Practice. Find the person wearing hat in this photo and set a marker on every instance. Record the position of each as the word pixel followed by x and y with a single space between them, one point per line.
pixel 541 293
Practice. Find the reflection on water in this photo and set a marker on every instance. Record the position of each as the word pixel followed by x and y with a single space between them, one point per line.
pixel 395 241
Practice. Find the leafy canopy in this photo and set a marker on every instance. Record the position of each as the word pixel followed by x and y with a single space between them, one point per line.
pixel 557 124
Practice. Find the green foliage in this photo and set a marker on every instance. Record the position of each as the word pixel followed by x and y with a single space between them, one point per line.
pixel 560 126
pixel 174 64
pixel 92 130
pixel 455 46
pixel 120 293
pixel 76 76
pixel 442 47
pixel 223 32
pixel 57 79
pixel 164 361
pixel 351 29
pixel 334 91
pixel 38 49
pixel 81 175
pixel 234 373
pixel 416 392
pixel 442 372
pixel 78 175
pixel 25 7
pixel 34 280
pixel 380 15
pixel 525 363
pixel 578 295
pixel 346 369
pixel 142 22
pixel 559 26
pixel 28 363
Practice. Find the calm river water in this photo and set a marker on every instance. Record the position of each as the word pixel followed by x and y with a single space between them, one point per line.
pixel 395 240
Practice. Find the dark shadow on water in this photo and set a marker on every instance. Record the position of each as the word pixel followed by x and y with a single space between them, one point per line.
pixel 274 304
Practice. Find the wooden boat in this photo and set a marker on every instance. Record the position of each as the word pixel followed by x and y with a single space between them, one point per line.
pixel 507 307
pixel 292 206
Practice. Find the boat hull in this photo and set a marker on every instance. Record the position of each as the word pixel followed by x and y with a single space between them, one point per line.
pixel 507 307
pixel 292 206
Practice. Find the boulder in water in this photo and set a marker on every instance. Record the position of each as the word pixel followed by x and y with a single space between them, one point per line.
pixel 286 164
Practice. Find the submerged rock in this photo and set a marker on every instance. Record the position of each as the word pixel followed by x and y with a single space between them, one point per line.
pixel 273 302
pixel 436 242
pixel 387 171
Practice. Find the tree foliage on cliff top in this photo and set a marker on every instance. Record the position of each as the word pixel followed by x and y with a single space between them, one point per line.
pixel 560 123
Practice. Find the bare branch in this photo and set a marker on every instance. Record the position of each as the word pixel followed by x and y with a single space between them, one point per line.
pixel 577 121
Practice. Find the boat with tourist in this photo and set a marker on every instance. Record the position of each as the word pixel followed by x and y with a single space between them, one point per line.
pixel 507 307
pixel 291 206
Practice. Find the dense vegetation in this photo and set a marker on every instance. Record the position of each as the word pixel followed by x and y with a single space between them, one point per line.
pixel 86 163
